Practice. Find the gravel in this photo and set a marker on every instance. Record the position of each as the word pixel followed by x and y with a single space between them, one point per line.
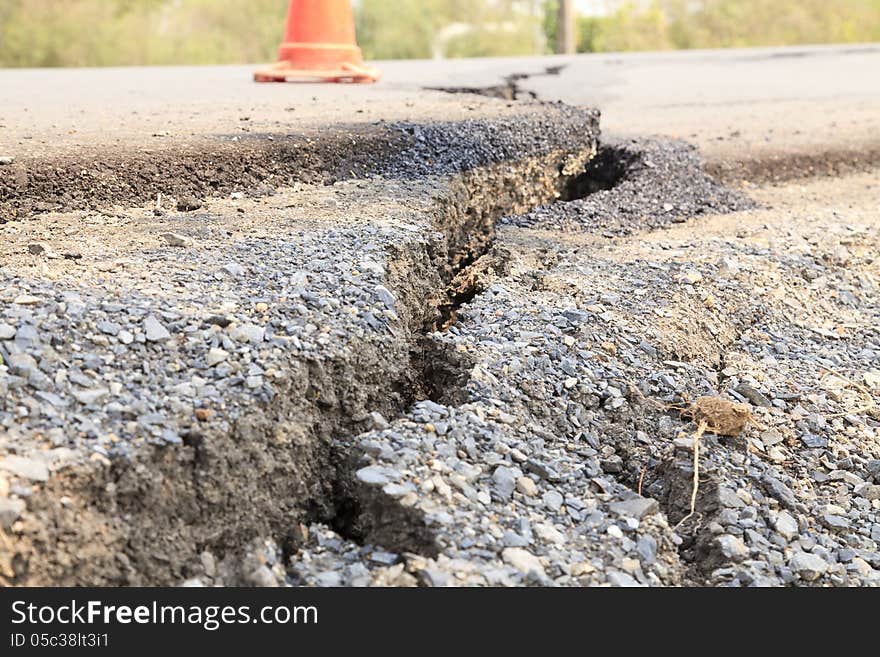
pixel 632 186
pixel 280 388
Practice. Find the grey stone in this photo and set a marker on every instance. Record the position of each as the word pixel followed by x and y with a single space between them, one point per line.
pixel 732 547
pixel 373 474
pixel 780 491
pixel 786 525
pixel 637 507
pixel 176 240
pixel 835 522
pixel 329 579
pixel 728 498
pixel 621 579
pixel 523 560
pixel 552 500
pixel 10 510
pixel 753 395
pixel 248 333
pixel 234 269
pixel 808 566
pixel 21 363
pixel 27 468
pixel 108 328
pixel 154 331
pixel 646 546
pixel 90 395
pixel 504 481
pixel 813 441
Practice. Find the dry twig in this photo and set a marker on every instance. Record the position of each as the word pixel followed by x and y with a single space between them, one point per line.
pixel 696 438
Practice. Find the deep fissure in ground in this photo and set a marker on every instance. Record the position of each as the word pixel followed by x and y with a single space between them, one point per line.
pixel 438 373
pixel 310 434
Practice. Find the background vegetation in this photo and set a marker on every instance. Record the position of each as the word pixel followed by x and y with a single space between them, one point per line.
pixel 127 32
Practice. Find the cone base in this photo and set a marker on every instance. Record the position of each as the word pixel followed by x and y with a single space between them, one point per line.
pixel 288 72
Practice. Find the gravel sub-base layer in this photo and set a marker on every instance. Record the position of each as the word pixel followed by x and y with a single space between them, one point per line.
pixel 364 384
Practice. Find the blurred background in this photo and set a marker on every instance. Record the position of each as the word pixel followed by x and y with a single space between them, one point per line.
pixel 37 33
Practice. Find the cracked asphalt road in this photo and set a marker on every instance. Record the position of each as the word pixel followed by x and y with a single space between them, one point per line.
pixel 252 391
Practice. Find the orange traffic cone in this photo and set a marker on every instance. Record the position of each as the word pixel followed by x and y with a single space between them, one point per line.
pixel 319 44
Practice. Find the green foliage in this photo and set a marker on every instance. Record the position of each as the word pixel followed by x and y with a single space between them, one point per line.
pixel 125 32
pixel 681 24
pixel 415 28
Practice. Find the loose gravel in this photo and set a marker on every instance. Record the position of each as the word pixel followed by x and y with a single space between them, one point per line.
pixel 386 392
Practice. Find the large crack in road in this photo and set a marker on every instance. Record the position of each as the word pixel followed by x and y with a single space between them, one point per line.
pixel 417 397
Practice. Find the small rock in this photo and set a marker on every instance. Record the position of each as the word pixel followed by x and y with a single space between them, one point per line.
pixel 26 300
pixel 523 560
pixel 786 525
pixel 753 395
pixel 90 395
pixel 780 491
pixel 372 474
pixel 154 330
pixel 732 547
pixel 526 486
pixel 234 269
pixel 6 160
pixel 433 577
pixel 835 522
pixel 6 331
pixel 549 533
pixel 729 498
pixel 248 333
pixel 188 204
pixel 646 546
pixel 25 467
pixel 38 248
pixel 329 579
pixel 108 328
pixel 22 364
pixel 637 507
pixel 385 296
pixel 808 566
pixel 504 481
pixel 10 510
pixel 617 578
pixel 216 356
pixel 582 568
pixel 813 441
pixel 870 492
pixel 174 239
pixel 552 500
